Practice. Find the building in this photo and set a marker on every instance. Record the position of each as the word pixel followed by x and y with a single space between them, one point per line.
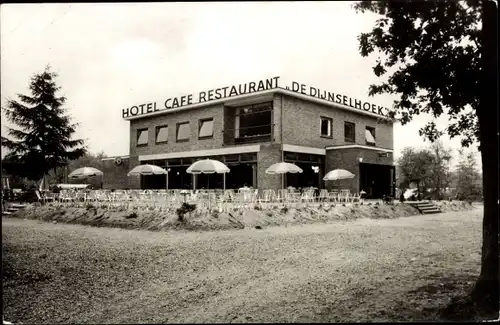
pixel 249 127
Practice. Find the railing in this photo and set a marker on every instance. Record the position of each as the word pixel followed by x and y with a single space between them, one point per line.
pixel 250 134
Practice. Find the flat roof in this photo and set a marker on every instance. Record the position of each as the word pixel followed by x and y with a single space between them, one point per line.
pixel 251 97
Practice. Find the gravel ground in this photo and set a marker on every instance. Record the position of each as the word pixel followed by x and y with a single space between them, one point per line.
pixel 347 271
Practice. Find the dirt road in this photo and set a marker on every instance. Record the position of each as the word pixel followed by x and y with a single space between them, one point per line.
pixel 365 270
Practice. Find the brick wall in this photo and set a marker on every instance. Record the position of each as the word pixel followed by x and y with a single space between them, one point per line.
pixel 134 182
pixel 115 177
pixel 269 154
pixel 348 159
pixel 301 125
pixel 193 116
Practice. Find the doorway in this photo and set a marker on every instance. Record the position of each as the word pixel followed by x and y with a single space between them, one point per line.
pixel 377 180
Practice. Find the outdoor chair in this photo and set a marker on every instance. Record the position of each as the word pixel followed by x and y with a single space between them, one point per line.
pixel 307 196
pixel 92 196
pixel 323 195
pixel 80 196
pixel 228 196
pixel 66 196
pixel 268 196
pixel 344 196
pixel 292 197
pixel 333 196
pixel 355 198
pixel 281 197
pixel 49 196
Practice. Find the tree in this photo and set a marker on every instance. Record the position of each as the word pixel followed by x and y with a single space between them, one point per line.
pixel 43 140
pixel 429 167
pixel 468 177
pixel 440 168
pixel 415 165
pixel 441 57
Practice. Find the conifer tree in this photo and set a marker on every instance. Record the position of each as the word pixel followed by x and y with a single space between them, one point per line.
pixel 42 137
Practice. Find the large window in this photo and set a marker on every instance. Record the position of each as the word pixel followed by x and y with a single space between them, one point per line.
pixel 183 131
pixel 206 129
pixel 370 135
pixel 255 120
pixel 326 127
pixel 349 132
pixel 162 134
pixel 142 137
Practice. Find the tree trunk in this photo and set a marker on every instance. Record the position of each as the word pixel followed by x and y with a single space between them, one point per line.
pixel 487 286
pixel 483 302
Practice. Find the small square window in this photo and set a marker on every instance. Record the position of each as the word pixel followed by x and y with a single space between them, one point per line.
pixel 183 131
pixel 162 134
pixel 206 129
pixel 370 135
pixel 349 132
pixel 142 137
pixel 326 127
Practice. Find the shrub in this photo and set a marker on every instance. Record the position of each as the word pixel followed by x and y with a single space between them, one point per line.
pixel 185 208
pixel 284 209
pixel 257 207
pixel 269 214
pixel 133 215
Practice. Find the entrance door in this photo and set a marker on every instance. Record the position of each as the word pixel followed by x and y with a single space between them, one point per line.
pixel 376 180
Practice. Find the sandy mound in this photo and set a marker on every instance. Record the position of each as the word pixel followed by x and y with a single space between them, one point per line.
pixel 450 206
pixel 219 219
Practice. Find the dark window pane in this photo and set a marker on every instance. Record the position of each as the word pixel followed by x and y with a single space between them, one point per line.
pixel 248 157
pixel 349 132
pixel 326 127
pixel 174 162
pixel 290 156
pixel 232 158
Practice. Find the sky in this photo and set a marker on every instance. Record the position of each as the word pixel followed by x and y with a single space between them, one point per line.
pixel 110 56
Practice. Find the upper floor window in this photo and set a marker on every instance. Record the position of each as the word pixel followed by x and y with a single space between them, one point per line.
pixel 142 137
pixel 349 132
pixel 206 129
pixel 183 131
pixel 326 127
pixel 254 120
pixel 161 134
pixel 370 135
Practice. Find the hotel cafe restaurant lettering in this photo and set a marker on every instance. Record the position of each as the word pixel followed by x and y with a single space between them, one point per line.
pixel 251 126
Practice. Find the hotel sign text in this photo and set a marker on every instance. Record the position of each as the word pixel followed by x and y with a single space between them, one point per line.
pixel 248 88
pixel 337 98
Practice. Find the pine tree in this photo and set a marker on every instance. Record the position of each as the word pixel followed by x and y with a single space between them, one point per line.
pixel 42 140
